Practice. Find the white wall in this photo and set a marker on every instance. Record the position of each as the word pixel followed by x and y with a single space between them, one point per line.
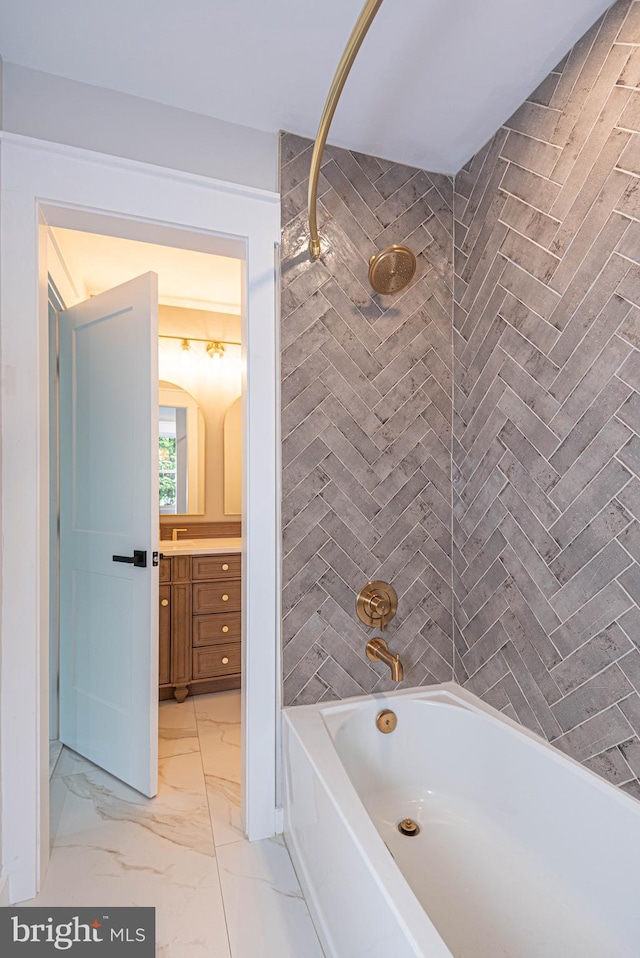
pixel 3 881
pixel 64 111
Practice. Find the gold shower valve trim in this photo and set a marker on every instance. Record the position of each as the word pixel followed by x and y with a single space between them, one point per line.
pixel 376 604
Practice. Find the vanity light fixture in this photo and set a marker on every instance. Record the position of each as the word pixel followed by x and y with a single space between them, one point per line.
pixel 213 347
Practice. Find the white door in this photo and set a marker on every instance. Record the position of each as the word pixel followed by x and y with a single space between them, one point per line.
pixel 109 513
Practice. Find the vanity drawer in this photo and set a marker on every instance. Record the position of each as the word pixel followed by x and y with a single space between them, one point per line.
pixel 219 627
pixel 216 567
pixel 217 660
pixel 217 596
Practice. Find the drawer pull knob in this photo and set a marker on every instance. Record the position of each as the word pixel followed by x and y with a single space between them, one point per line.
pixel 165 602
pixel 225 628
pixel 225 567
pixel 225 597
pixel 225 660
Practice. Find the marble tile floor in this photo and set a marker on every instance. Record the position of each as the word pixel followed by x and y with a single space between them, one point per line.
pixel 55 748
pixel 216 894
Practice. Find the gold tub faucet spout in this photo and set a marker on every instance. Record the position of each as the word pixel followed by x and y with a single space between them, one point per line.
pixel 378 651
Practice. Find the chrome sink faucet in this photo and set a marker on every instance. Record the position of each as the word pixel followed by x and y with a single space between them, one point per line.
pixel 174 534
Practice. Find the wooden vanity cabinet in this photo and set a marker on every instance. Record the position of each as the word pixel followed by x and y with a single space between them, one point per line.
pixel 200 624
pixel 164 623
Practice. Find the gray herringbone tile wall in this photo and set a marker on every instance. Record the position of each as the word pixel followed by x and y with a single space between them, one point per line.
pixel 366 424
pixel 546 451
pixel 546 448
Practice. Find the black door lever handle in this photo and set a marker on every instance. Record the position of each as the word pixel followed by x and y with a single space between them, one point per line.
pixel 139 559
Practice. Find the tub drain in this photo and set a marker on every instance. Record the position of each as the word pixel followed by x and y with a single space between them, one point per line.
pixel 408 827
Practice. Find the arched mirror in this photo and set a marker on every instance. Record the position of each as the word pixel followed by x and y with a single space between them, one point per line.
pixel 181 452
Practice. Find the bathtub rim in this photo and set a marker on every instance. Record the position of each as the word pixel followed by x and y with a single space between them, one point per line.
pixel 450 694
pixel 315 727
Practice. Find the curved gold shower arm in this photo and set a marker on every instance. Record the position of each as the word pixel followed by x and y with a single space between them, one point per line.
pixel 358 34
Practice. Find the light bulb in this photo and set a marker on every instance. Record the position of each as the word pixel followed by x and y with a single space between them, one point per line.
pixel 186 354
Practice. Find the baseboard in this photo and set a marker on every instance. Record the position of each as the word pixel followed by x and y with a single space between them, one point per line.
pixel 4 890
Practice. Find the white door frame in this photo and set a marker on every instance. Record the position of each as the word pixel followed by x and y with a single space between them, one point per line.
pixel 47 182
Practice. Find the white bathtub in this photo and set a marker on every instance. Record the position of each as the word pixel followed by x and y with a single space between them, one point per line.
pixel 523 853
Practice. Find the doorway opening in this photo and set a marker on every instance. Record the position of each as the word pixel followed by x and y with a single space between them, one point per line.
pixel 196 427
pixel 108 195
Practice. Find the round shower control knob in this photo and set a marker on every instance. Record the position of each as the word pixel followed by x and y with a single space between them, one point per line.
pixel 376 604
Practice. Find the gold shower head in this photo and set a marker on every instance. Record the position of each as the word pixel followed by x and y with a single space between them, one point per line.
pixel 392 269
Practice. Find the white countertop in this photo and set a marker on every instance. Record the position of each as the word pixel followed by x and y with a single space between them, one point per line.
pixel 200 547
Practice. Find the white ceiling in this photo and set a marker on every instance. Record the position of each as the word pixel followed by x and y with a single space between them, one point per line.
pixel 186 278
pixel 432 83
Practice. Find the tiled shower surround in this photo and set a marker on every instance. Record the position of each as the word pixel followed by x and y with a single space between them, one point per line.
pixel 366 424
pixel 545 453
pixel 547 407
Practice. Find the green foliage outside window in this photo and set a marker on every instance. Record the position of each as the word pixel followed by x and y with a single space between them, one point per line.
pixel 168 470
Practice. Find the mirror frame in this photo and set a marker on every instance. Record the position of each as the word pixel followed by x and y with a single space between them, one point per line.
pixel 169 394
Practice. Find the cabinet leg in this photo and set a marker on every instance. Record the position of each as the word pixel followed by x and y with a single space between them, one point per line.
pixel 180 693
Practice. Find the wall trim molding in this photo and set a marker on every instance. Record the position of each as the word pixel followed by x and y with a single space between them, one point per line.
pixel 148 169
